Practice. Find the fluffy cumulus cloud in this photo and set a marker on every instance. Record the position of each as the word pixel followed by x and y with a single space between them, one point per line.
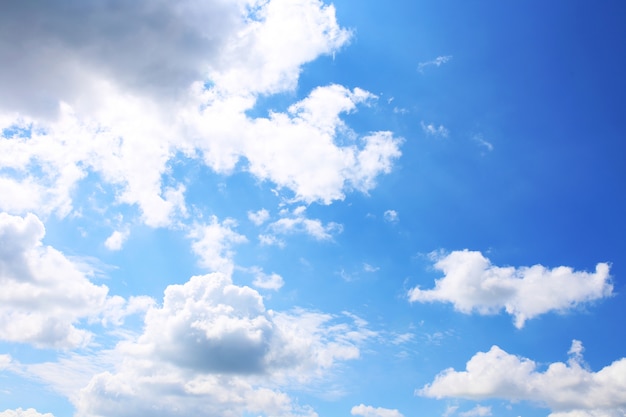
pixel 45 295
pixel 212 348
pixel 472 284
pixel 126 117
pixel 567 389
pixel 369 411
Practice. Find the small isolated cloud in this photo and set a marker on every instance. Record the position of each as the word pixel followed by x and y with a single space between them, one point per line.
pixel 567 389
pixel 472 284
pixel 271 281
pixel 432 130
pixel 391 216
pixel 370 268
pixel 437 62
pixel 478 138
pixel 296 222
pixel 258 217
pixel 116 240
pixel 478 411
pixel 30 412
pixel 369 411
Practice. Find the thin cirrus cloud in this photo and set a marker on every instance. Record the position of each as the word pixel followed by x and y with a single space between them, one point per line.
pixel 472 284
pixel 437 62
pixel 567 389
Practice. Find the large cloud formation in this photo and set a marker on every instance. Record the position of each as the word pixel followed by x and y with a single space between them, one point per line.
pixel 471 283
pixel 173 81
pixel 568 389
pixel 213 349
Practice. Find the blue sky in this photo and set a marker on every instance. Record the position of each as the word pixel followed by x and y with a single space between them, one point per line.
pixel 298 208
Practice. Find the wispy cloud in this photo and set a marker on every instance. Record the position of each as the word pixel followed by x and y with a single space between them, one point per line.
pixel 432 130
pixel 478 138
pixel 437 62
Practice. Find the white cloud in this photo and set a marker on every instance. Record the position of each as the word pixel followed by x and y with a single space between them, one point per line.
pixel 369 411
pixel 46 295
pixel 472 284
pixel 124 118
pixel 432 130
pixel 271 281
pixel 297 222
pixel 213 348
pixel 212 243
pixel 30 412
pixel 566 389
pixel 478 411
pixel 116 240
pixel 259 217
pixel 437 62
pixel 391 216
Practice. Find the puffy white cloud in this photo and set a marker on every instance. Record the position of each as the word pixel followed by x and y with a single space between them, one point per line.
pixel 472 284
pixel 280 36
pixel 30 412
pixel 307 149
pixel 259 217
pixel 369 411
pixel 212 348
pixel 271 281
pixel 212 243
pixel 116 240
pixel 45 295
pixel 568 389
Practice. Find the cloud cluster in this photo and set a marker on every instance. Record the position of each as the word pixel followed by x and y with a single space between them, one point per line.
pixel 125 117
pixel 472 284
pixel 567 389
pixel 213 348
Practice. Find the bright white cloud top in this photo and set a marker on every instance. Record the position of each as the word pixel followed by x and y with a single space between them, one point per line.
pixel 568 389
pixel 471 284
pixel 218 208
